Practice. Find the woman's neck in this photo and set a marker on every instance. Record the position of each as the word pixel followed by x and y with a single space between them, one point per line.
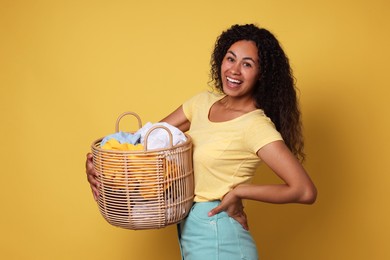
pixel 238 104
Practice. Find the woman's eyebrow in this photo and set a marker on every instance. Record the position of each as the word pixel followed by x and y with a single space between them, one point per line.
pixel 249 58
pixel 246 58
pixel 232 53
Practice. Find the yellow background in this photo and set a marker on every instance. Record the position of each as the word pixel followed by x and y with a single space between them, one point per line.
pixel 69 68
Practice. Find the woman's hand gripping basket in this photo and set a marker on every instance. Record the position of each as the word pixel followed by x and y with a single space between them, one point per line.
pixel 144 189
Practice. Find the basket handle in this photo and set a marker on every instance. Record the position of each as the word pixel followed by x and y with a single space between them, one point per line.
pixel 154 128
pixel 125 114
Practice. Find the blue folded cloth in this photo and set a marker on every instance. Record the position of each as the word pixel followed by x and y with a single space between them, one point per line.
pixel 122 138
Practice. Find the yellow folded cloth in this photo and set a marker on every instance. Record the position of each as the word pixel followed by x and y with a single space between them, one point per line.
pixel 113 144
pixel 140 176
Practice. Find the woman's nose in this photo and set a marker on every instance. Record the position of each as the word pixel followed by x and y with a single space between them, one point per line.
pixel 235 69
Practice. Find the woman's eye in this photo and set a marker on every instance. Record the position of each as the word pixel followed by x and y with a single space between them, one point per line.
pixel 230 59
pixel 246 64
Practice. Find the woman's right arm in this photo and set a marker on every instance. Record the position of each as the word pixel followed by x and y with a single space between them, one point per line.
pixel 177 118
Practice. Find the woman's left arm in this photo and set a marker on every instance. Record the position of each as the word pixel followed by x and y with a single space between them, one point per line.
pixel 297 186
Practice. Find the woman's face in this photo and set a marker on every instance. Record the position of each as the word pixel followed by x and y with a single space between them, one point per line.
pixel 240 69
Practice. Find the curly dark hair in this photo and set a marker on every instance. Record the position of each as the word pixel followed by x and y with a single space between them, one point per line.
pixel 275 92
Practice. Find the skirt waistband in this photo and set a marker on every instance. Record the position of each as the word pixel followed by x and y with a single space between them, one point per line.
pixel 201 209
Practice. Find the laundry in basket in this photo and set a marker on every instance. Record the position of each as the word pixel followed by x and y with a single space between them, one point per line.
pixel 145 188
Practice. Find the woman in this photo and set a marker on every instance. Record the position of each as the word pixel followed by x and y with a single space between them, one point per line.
pixel 252 116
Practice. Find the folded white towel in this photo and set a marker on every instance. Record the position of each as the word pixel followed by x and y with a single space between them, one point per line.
pixel 159 138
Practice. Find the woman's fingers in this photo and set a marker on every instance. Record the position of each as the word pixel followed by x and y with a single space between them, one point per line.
pixel 233 208
pixel 242 219
pixel 215 210
pixel 91 176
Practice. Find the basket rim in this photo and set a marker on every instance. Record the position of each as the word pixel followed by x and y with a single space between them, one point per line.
pixel 94 146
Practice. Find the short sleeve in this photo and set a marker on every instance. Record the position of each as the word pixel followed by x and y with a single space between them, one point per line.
pixel 191 104
pixel 187 108
pixel 261 132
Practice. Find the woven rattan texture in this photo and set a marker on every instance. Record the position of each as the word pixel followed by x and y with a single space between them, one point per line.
pixel 144 189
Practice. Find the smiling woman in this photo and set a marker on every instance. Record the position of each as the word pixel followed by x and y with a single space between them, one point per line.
pixel 252 116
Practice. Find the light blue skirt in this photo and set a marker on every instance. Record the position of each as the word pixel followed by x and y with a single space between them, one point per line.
pixel 219 237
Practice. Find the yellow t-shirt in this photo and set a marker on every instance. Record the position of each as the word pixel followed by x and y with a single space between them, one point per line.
pixel 225 152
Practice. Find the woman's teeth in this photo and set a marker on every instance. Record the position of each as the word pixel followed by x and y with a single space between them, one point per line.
pixel 235 81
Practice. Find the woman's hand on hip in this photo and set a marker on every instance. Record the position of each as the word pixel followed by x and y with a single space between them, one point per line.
pixel 233 206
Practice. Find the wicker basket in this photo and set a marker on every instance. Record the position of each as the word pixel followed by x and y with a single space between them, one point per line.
pixel 144 189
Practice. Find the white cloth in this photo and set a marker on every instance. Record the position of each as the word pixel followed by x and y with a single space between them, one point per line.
pixel 159 138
